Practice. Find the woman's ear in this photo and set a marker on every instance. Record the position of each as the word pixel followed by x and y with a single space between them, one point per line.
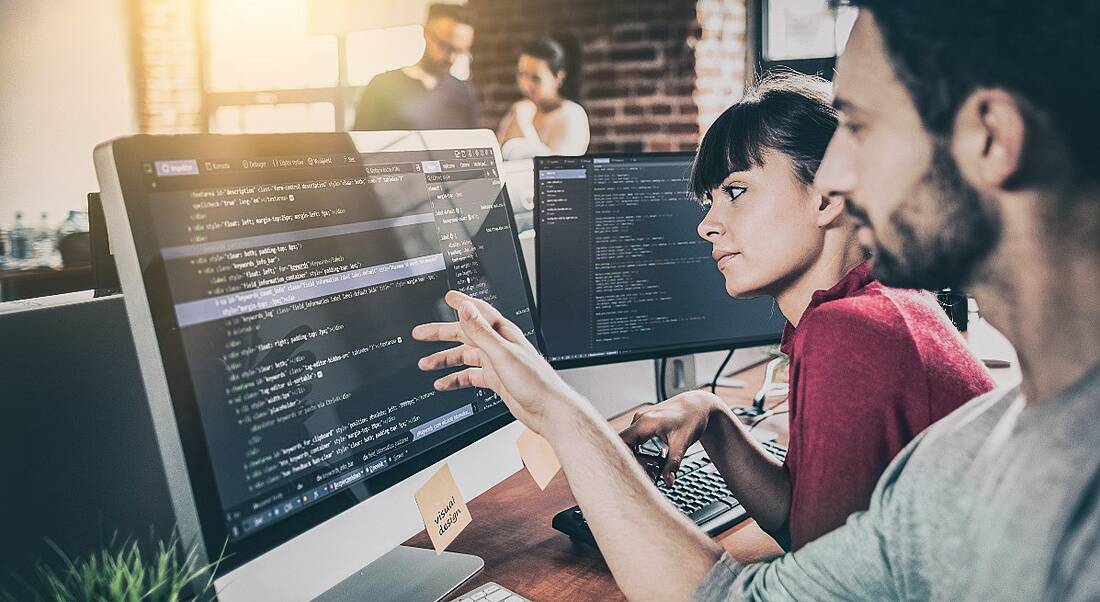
pixel 829 210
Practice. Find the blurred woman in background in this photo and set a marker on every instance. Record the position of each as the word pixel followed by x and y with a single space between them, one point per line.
pixel 547 120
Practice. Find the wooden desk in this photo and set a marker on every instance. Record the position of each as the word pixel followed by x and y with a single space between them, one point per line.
pixel 512 533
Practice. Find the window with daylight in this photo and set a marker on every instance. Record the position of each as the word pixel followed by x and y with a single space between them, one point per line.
pixel 265 72
pixel 803 35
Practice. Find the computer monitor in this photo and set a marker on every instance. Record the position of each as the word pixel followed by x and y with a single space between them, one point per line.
pixel 621 272
pixel 271 283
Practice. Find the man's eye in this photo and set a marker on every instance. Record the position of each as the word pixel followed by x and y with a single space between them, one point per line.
pixel 847 123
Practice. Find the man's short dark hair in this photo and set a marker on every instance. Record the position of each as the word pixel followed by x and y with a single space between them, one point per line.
pixel 785 112
pixel 455 12
pixel 1044 53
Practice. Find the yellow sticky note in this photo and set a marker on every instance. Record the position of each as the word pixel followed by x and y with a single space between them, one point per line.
pixel 538 457
pixel 443 509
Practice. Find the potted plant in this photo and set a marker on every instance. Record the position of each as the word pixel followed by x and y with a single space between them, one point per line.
pixel 122 572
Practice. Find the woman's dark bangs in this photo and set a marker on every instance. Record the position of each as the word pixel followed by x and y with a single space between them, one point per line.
pixel 732 143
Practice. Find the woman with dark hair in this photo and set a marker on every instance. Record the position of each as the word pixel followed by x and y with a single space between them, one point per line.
pixel 870 366
pixel 547 120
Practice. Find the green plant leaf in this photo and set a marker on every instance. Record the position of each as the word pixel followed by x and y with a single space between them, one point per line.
pixel 120 572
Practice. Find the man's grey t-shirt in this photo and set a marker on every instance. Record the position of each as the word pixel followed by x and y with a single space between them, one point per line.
pixel 998 501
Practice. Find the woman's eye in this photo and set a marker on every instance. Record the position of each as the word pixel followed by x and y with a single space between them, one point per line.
pixel 734 191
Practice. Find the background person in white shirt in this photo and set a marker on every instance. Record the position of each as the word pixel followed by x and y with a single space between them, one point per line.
pixel 547 120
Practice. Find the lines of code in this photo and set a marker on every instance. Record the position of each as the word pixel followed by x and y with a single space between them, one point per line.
pixel 295 288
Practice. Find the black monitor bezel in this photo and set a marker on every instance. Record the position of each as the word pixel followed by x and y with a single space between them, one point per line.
pixel 644 354
pixel 129 154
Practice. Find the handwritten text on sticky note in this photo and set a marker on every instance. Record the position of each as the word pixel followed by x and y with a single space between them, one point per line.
pixel 443 508
pixel 538 457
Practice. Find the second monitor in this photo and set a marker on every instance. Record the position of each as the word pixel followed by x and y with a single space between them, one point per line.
pixel 622 273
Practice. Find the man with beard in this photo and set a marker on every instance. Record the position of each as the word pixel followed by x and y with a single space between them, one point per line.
pixel 968 150
pixel 425 96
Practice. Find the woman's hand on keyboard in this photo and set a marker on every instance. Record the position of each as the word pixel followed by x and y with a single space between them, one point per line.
pixel 679 421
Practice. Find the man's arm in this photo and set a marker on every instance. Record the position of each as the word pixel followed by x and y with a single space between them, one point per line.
pixel 652 550
pixel 875 555
pixel 850 563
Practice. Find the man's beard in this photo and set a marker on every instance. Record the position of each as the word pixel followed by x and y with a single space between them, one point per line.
pixel 950 253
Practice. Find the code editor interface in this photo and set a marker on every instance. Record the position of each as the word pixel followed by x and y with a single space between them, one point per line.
pixel 621 268
pixel 295 282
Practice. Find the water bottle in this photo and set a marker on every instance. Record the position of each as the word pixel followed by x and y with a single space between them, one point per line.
pixel 45 243
pixel 72 236
pixel 19 243
pixel 76 222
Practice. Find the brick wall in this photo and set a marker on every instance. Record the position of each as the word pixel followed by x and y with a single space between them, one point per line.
pixel 167 66
pixel 654 70
pixel 721 57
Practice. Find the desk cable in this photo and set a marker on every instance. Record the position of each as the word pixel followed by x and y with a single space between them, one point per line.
pixel 718 373
pixel 767 414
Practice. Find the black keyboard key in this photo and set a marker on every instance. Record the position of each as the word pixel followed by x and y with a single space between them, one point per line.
pixel 708 512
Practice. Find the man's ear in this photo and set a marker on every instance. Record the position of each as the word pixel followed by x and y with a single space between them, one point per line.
pixel 988 142
pixel 829 210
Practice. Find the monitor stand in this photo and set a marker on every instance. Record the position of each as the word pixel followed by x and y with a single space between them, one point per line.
pixel 769 387
pixel 406 573
pixel 674 375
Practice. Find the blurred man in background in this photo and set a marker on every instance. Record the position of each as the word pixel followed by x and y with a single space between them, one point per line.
pixel 425 96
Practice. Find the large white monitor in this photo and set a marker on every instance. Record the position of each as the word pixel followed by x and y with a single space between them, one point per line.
pixel 271 282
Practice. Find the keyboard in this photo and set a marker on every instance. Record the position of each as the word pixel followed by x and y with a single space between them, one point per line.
pixel 699 492
pixel 491 592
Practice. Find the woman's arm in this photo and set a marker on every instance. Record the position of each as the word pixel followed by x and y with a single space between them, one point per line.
pixel 518 129
pixel 759 481
pixel 505 130
pixel 571 134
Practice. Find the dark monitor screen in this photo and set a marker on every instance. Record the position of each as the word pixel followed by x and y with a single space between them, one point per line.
pixel 622 273
pixel 284 274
